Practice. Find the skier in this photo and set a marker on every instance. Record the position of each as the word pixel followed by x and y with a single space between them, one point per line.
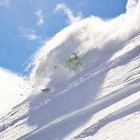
pixel 74 61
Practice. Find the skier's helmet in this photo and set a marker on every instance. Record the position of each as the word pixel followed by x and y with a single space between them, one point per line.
pixel 74 56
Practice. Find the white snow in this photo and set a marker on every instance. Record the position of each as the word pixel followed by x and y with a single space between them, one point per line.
pixel 13 90
pixel 100 101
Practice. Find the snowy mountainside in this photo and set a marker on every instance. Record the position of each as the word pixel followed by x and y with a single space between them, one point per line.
pixel 12 91
pixel 75 112
pixel 47 115
pixel 101 100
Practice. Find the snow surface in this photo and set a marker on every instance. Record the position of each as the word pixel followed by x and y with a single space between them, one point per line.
pixel 100 101
pixel 13 90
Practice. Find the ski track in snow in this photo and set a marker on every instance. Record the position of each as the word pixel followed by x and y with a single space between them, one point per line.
pixel 98 105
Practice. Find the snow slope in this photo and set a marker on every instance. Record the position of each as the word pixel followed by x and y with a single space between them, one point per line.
pixel 99 101
pixel 12 89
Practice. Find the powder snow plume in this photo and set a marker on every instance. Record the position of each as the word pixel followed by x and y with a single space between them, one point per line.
pixel 88 34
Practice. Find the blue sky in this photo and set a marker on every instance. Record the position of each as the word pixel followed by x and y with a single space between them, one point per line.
pixel 26 24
